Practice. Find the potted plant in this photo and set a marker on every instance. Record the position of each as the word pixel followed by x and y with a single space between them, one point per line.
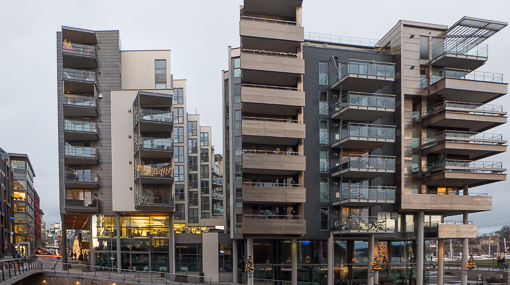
pixel 162 271
pixel 201 277
pixel 493 280
pixel 182 278
pixel 386 281
pixel 240 277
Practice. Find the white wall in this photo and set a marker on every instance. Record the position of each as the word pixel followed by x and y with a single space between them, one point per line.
pixel 210 256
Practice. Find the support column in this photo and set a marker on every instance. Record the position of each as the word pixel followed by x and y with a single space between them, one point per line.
pixel 293 249
pixel 249 252
pixel 64 241
pixel 420 244
pixel 440 261
pixel 92 255
pixel 235 260
pixel 465 250
pixel 376 254
pixel 331 258
pixel 171 245
pixel 118 234
pixel 370 276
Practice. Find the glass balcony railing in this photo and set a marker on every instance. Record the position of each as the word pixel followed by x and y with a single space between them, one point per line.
pixel 448 47
pixel 154 115
pixel 80 126
pixel 84 152
pixel 464 74
pixel 87 202
pixel 270 53
pixel 80 100
pixel 360 67
pixel 450 165
pixel 371 224
pixel 215 170
pixel 155 143
pixel 465 137
pixel 272 184
pixel 161 170
pixel 159 198
pixel 373 193
pixel 469 108
pixel 80 176
pixel 82 75
pixel 79 49
pixel 271 21
pixel 364 100
pixel 368 162
pixel 315 37
pixel 272 152
pixel 372 131
pixel 218 181
pixel 292 121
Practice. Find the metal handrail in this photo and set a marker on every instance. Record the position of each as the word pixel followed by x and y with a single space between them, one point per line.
pixel 271 120
pixel 271 184
pixel 457 106
pixel 80 126
pixel 383 193
pixel 272 152
pixel 459 165
pixel 371 162
pixel 465 74
pixel 80 49
pixel 355 130
pixel 80 100
pixel 77 74
pixel 362 67
pixel 364 100
pixel 466 137
pixel 317 37
pixel 265 20
pixel 88 152
pixel 449 47
pixel 154 143
pixel 72 176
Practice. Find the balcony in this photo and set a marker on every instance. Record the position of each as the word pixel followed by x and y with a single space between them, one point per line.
pixel 470 116
pixel 356 106
pixel 150 201
pixel 363 225
pixel 456 230
pixel 79 81
pixel 363 76
pixel 217 181
pixel 80 105
pixel 271 99
pixel 81 206
pixel 364 196
pixel 154 120
pixel 473 145
pixel 466 85
pixel 258 130
pixel 273 162
pixel 79 56
pixel 270 34
pixel 74 155
pixel 363 167
pixel 268 192
pixel 271 68
pixel 448 205
pixel 459 55
pixel 155 147
pixel 362 136
pixel 215 170
pixel 160 173
pixel 79 179
pixel 457 173
pixel 75 130
pixel 273 225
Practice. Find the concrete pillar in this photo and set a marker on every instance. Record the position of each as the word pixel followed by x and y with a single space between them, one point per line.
pixel 210 256
pixel 465 251
pixel 171 245
pixel 440 261
pixel 420 244
pixel 249 252
pixel 235 259
pixel 119 256
pixel 92 255
pixel 64 240
pixel 370 276
pixel 376 254
pixel 293 249
pixel 331 258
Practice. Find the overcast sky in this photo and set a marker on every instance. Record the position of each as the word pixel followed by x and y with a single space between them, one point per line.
pixel 198 32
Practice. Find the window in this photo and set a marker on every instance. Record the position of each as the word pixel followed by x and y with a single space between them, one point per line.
pixel 324 190
pixel 178 134
pixel 192 128
pixel 192 146
pixel 204 171
pixel 323 103
pixel 323 73
pixel 323 132
pixel 193 215
pixel 160 86
pixel 193 180
pixel 188 257
pixel 226 88
pixel 324 164
pixel 160 66
pixel 179 173
pixel 237 93
pixel 416 164
pixel 193 198
pixel 424 47
pixel 178 96
pixel 204 139
pixel 204 187
pixel 416 188
pixel 179 153
pixel 204 155
pixel 179 212
pixel 192 163
pixel 237 120
pixel 178 115
pixel 160 76
pixel 205 203
pixel 237 66
pixel 179 192
pixel 324 219
pixel 225 257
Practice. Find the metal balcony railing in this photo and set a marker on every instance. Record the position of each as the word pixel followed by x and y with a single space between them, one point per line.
pixel 271 21
pixel 272 184
pixel 448 47
pixel 81 177
pixel 464 74
pixel 80 100
pixel 465 107
pixel 372 224
pixel 272 152
pixel 162 170
pixel 79 49
pixel 361 67
pixel 466 137
pixel 76 74
pixel 370 131
pixel 88 203
pixel 316 37
pixel 368 162
pixel 270 53
pixel 450 165
pixel 155 143
pixel 80 126
pixel 272 120
pixel 85 152
pixel 150 199
pixel 154 115
pixel 364 100
pixel 272 217
pixel 366 193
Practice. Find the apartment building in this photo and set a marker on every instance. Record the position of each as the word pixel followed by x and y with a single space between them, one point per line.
pixel 339 150
pixel 6 205
pixel 137 170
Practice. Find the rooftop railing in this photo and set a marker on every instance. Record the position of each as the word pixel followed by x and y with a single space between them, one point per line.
pixel 272 152
pixel 364 100
pixel 80 100
pixel 464 74
pixel 316 37
pixel 271 21
pixel 82 75
pixel 361 67
pixel 272 184
pixel 471 108
pixel 77 151
pixel 373 224
pixel 368 162
pixel 370 131
pixel 366 193
pixel 448 47
pixel 79 49
pixel 80 126
pixel 466 137
pixel 451 165
pixel 155 143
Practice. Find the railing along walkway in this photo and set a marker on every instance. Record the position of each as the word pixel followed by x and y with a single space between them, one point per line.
pixel 14 270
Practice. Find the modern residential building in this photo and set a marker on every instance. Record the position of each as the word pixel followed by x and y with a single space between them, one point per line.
pixel 138 185
pixel 6 202
pixel 339 150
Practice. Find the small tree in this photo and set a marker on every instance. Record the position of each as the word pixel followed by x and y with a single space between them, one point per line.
pixel 376 266
pixel 249 265
pixel 471 263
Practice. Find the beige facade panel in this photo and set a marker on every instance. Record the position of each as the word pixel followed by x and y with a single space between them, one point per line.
pixel 472 122
pixel 139 71
pixel 456 231
pixel 271 163
pixel 274 226
pixel 274 194
pixel 459 61
pixel 272 96
pixel 468 90
pixel 271 30
pixel 459 179
pixel 273 129
pixel 473 150
pixel 433 202
pixel 272 63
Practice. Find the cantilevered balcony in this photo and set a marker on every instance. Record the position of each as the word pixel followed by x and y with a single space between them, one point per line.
pixel 274 225
pixel 270 34
pixel 80 105
pixel 259 130
pixel 473 145
pixel 457 173
pixel 364 196
pixel 273 162
pixel 466 85
pixel 268 192
pixel 154 120
pixel 362 136
pixel 79 179
pixel 79 81
pixel 76 130
pixel 356 106
pixel 363 76
pixel 157 173
pixel 448 205
pixel 217 181
pixel 160 200
pixel 459 55
pixel 363 225
pixel 79 56
pixel 271 99
pixel 155 147
pixel 85 205
pixel 363 167
pixel 271 68
pixel 462 115
pixel 75 155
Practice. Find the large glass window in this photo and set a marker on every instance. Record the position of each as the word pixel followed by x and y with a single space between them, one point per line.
pixel 18 164
pixel 323 103
pixel 178 134
pixel 179 173
pixel 237 120
pixel 225 257
pixel 236 62
pixel 205 203
pixel 179 212
pixel 192 163
pixel 188 257
pixel 323 132
pixel 424 47
pixel 324 190
pixel 204 139
pixel 204 155
pixel 179 154
pixel 237 93
pixel 193 215
pixel 192 146
pixel 160 65
pixel 178 96
pixel 192 128
pixel 324 161
pixel 204 187
pixel 193 180
pixel 178 115
pixel 204 171
pixel 324 219
pixel 179 192
pixel 323 73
